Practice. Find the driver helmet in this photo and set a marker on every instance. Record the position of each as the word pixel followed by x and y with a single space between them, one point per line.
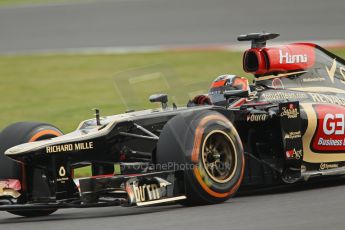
pixel 225 83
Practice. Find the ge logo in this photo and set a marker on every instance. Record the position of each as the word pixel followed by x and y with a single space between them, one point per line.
pixel 62 171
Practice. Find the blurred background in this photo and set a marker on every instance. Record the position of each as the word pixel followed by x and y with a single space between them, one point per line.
pixel 61 58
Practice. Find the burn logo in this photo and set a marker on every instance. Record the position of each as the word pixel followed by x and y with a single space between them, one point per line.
pixel 290 111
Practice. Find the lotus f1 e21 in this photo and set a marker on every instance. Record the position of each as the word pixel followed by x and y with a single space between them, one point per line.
pixel 285 128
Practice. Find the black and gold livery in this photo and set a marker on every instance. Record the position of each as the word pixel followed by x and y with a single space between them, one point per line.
pixel 287 127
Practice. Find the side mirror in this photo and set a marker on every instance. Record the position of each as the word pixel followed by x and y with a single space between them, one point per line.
pixel 162 98
pixel 236 93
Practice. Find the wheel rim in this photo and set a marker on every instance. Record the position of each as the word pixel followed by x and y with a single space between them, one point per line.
pixel 219 156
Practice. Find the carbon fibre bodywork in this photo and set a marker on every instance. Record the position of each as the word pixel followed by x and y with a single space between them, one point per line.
pixel 291 126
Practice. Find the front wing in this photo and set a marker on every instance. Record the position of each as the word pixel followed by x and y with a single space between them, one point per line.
pixel 102 191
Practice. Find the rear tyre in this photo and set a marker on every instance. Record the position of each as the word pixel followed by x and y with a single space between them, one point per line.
pixel 16 134
pixel 206 145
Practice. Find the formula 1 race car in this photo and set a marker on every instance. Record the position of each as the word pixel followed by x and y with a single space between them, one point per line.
pixel 287 127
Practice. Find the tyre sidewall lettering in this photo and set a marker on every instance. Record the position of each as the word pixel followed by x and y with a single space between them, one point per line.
pixel 216 122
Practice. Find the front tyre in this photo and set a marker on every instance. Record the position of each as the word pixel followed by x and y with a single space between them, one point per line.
pixel 208 147
pixel 16 134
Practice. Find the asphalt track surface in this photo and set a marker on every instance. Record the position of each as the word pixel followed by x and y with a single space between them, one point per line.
pixel 311 206
pixel 118 23
pixel 162 22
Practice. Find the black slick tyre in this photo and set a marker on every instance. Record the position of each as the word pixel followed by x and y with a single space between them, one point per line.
pixel 208 148
pixel 16 134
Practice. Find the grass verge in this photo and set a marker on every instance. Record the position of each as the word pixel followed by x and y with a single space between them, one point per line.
pixel 62 89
